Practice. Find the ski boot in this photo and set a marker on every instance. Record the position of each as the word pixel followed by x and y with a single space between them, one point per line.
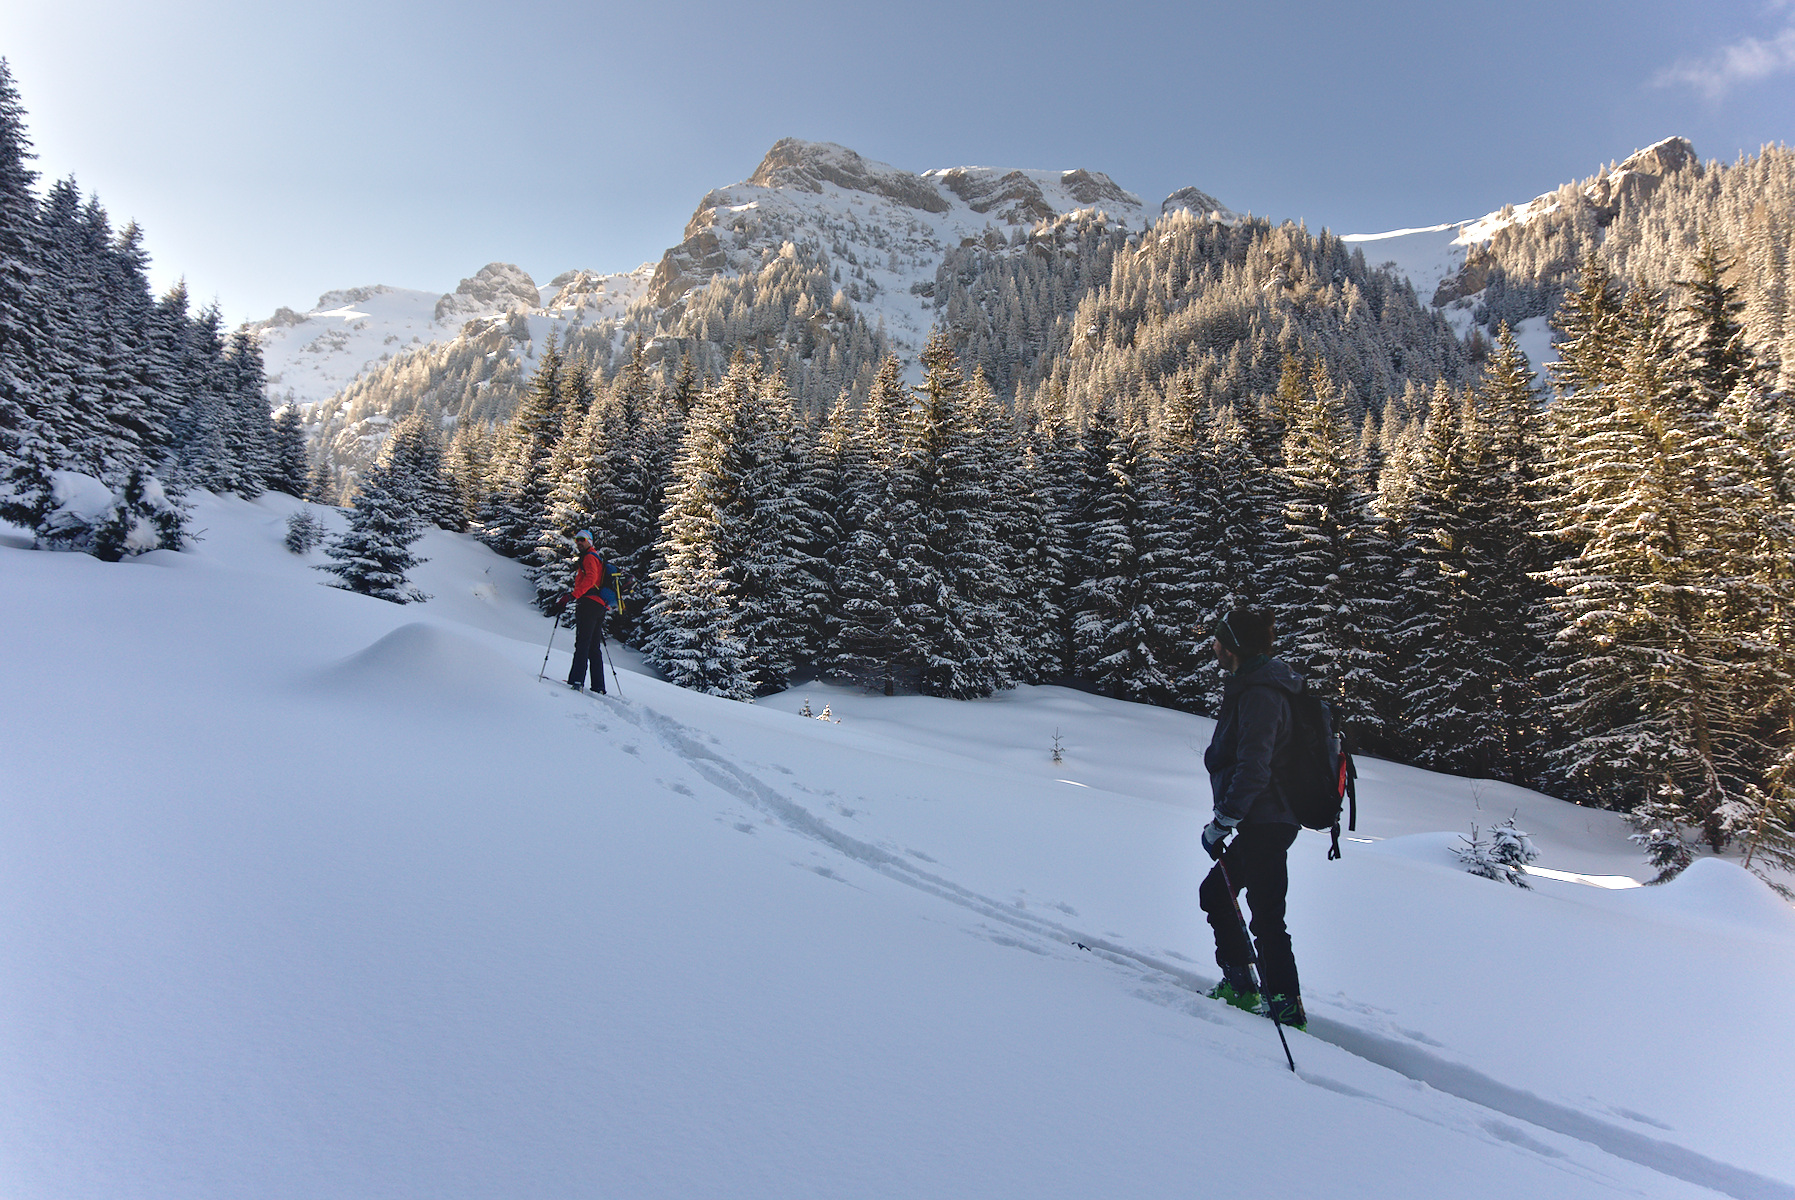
pixel 1237 988
pixel 1288 1011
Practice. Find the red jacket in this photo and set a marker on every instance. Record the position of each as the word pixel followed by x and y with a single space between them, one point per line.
pixel 591 574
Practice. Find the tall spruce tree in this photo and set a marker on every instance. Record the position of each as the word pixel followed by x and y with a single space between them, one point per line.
pixel 1331 602
pixel 694 633
pixel 19 332
pixel 512 517
pixel 1641 489
pixel 1126 643
pixel 950 557
pixel 1716 358
pixel 867 636
pixel 1185 570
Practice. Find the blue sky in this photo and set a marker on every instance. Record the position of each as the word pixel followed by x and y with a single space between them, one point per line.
pixel 272 152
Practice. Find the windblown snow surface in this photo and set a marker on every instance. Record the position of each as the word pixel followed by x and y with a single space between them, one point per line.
pixel 307 895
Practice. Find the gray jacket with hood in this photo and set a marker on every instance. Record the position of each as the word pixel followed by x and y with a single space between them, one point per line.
pixel 1251 733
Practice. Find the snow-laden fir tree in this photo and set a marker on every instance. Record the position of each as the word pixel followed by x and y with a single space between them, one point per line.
pixel 19 332
pixel 304 531
pixel 1245 519
pixel 1040 557
pixel 468 461
pixel 373 556
pixel 1123 635
pixel 694 634
pixel 1468 630
pixel 656 444
pixel 866 634
pixel 582 491
pixel 1027 553
pixel 1511 421
pixel 512 516
pixel 950 558
pixel 1714 355
pixel 1644 489
pixel 290 469
pixel 1503 856
pixel 1185 570
pixel 633 460
pixel 1447 700
pixel 781 581
pixel 1330 597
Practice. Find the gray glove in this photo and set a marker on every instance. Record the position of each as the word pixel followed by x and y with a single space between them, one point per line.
pixel 1215 836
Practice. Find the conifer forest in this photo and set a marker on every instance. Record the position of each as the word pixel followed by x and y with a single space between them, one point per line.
pixel 114 403
pixel 1580 579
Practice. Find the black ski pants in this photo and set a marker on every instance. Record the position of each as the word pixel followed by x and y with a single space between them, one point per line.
pixel 588 635
pixel 1257 862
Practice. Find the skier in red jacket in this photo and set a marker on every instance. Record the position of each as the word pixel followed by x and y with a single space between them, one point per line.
pixel 589 613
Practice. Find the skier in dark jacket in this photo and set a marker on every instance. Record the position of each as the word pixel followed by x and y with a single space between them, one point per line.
pixel 1252 734
pixel 589 612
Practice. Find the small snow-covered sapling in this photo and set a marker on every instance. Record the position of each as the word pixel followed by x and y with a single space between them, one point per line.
pixel 1504 856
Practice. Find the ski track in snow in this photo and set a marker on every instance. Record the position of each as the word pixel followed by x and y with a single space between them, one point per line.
pixel 1401 1057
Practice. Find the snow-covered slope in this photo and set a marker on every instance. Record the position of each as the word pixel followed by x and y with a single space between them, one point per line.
pixel 314 355
pixel 1434 258
pixel 310 894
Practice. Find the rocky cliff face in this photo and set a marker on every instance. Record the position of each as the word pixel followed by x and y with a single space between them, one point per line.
pixel 808 166
pixel 496 287
pixel 885 229
pixel 878 231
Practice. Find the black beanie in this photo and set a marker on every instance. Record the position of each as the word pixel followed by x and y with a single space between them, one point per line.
pixel 1245 631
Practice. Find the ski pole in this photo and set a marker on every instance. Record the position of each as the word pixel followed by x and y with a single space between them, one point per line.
pixel 604 658
pixel 555 621
pixel 1252 960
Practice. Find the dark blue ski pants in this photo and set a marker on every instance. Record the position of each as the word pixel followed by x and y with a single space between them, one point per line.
pixel 588 637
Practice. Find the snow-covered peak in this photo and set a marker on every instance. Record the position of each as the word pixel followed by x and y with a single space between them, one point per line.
pixel 887 229
pixel 815 166
pixel 1199 202
pixel 1024 197
pixel 1635 177
pixel 1445 262
pixel 496 287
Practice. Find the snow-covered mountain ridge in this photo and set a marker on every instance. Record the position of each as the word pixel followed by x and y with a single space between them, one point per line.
pixel 886 227
pixel 1451 262
pixel 1434 257
pixel 312 356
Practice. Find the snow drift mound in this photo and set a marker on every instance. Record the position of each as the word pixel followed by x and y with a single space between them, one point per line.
pixel 427 663
pixel 1715 891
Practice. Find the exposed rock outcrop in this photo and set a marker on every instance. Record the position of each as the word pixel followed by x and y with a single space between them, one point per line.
pixel 1194 200
pixel 1638 176
pixel 496 287
pixel 1094 189
pixel 1018 197
pixel 806 166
